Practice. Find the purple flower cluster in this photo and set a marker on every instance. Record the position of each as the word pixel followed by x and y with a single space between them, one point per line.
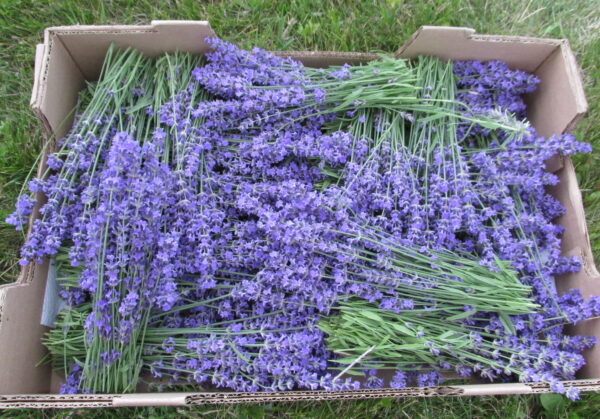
pixel 252 206
pixel 485 87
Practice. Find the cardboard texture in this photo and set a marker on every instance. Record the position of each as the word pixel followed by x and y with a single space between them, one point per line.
pixel 70 55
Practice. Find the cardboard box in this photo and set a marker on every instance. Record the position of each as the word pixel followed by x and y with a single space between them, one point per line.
pixel 72 54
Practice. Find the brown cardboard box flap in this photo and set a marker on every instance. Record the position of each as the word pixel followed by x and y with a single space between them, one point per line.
pixel 87 44
pixel 37 76
pixel 20 335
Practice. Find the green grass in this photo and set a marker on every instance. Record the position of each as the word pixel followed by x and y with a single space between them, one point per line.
pixel 361 25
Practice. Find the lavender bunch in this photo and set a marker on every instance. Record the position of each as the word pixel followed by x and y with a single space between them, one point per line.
pixel 509 217
pixel 226 217
pixel 491 86
pixel 419 346
pixel 510 180
pixel 125 250
pixel 435 162
pixel 282 349
pixel 79 157
pixel 261 93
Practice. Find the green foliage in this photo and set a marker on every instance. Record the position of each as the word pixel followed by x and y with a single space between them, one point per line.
pixel 552 403
pixel 341 25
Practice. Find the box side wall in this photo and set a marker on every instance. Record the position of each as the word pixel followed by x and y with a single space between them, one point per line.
pixel 57 83
pixel 60 83
pixel 20 329
pixel 452 43
pixel 575 239
pixel 88 45
pixel 576 242
pixel 559 101
pixel 20 336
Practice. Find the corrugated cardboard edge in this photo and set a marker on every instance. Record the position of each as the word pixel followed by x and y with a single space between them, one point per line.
pixel 38 78
pixel 575 79
pixel 43 401
pixel 216 398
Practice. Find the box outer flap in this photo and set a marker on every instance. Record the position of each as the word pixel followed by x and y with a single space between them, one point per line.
pixel 37 69
pixel 89 43
pixel 459 43
pixel 20 335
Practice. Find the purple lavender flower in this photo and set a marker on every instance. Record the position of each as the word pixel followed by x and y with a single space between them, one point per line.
pixel 24 207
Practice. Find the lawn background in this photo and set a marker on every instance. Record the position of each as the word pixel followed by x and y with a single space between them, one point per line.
pixel 358 25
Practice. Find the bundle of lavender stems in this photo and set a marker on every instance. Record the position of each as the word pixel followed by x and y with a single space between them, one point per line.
pixel 241 221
